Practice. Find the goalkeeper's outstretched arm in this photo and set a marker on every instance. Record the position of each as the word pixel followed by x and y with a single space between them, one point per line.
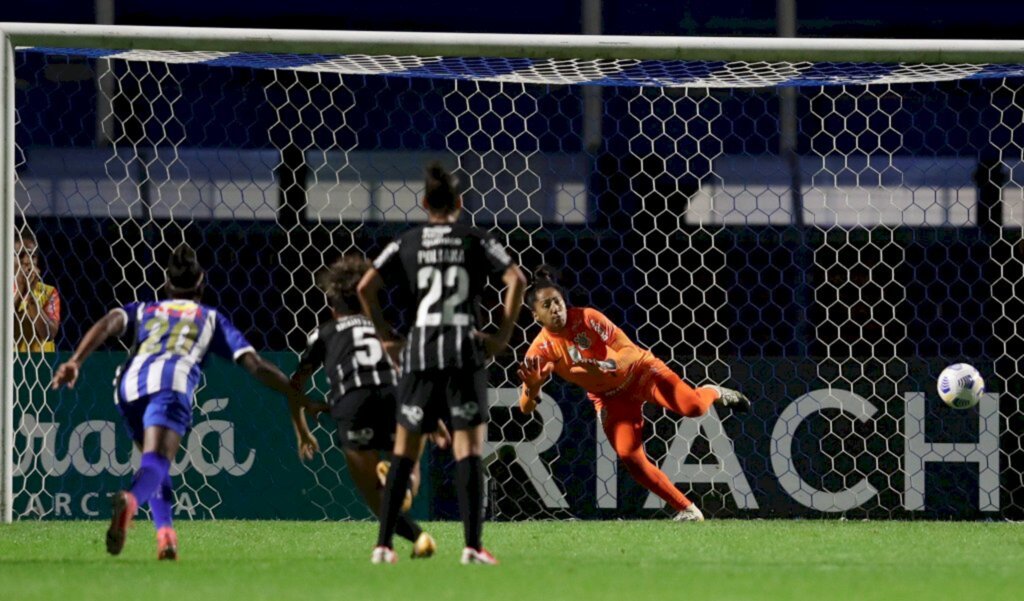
pixel 534 372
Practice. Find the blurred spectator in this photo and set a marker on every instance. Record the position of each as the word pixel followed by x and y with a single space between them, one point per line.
pixel 36 305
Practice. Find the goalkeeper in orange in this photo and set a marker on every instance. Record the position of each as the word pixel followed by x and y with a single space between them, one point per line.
pixel 583 347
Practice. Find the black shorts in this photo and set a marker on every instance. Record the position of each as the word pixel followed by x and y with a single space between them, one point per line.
pixel 426 396
pixel 366 419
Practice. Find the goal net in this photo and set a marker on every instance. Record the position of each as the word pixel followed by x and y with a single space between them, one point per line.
pixel 825 236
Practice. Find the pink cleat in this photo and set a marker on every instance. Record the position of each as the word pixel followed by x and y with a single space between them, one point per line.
pixel 123 507
pixel 471 555
pixel 167 544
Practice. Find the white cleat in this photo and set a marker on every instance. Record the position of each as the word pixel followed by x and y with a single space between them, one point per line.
pixel 383 555
pixel 471 555
pixel 733 399
pixel 690 514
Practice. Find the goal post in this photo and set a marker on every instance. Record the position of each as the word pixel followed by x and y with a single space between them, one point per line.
pixel 274 151
pixel 541 46
pixel 7 269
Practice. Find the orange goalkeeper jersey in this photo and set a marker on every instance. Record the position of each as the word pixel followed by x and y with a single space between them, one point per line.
pixel 589 335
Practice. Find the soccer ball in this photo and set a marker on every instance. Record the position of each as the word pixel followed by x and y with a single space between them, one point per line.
pixel 961 386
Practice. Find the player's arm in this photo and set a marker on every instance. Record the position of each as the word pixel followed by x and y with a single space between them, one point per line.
pixel 266 373
pixel 625 351
pixel 273 378
pixel 229 343
pixel 111 324
pixel 312 358
pixel 533 372
pixel 369 297
pixel 622 352
pixel 270 376
pixel 386 267
pixel 309 362
pixel 301 375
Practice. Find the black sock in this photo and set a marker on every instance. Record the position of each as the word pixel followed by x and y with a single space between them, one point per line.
pixel 391 500
pixel 407 528
pixel 469 476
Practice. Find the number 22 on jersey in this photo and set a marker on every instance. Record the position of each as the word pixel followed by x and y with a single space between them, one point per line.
pixel 450 288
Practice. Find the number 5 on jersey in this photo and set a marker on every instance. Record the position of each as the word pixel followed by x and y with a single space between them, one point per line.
pixel 368 348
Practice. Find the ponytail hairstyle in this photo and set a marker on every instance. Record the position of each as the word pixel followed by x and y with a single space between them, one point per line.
pixel 339 282
pixel 440 195
pixel 184 274
pixel 544 277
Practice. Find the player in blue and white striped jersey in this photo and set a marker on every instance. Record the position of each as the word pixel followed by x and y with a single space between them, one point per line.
pixel 172 337
pixel 155 388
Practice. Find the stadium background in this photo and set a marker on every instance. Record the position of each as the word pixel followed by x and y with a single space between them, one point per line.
pixel 251 261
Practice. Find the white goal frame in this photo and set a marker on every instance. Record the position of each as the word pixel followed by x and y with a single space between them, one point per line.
pixel 15 35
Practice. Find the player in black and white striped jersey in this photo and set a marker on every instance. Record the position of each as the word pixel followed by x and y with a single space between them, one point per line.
pixel 350 346
pixel 441 269
pixel 362 391
pixel 445 267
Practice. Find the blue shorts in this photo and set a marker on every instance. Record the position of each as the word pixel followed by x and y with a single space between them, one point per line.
pixel 172 410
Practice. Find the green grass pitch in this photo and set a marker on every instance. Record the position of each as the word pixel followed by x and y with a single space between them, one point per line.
pixel 625 561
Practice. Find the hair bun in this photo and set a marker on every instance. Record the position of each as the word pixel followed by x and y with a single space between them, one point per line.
pixel 544 277
pixel 183 256
pixel 183 270
pixel 440 178
pixel 437 172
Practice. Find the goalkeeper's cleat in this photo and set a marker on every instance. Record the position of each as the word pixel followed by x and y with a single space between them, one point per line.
pixel 471 556
pixel 122 510
pixel 383 555
pixel 733 399
pixel 166 544
pixel 424 547
pixel 382 479
pixel 690 514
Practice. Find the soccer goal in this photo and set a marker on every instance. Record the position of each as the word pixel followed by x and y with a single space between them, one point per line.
pixel 824 224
